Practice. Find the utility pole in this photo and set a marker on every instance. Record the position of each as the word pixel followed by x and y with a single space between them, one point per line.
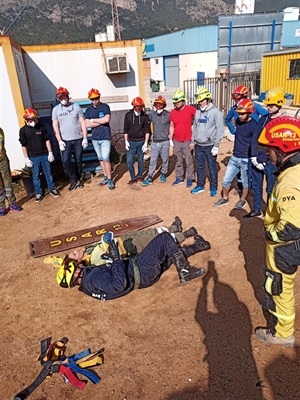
pixel 115 20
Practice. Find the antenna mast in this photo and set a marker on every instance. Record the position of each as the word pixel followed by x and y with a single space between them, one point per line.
pixel 115 19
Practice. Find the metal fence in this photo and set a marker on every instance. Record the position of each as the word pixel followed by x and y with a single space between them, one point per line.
pixel 222 87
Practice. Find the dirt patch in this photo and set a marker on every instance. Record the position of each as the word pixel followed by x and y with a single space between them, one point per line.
pixel 167 342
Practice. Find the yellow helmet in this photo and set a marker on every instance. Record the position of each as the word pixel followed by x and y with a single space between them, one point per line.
pixel 202 93
pixel 178 96
pixel 274 96
pixel 65 274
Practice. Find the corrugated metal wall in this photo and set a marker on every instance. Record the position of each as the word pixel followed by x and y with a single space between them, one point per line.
pixel 275 73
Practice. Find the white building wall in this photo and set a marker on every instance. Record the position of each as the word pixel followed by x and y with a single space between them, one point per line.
pixel 157 68
pixel 79 71
pixel 190 64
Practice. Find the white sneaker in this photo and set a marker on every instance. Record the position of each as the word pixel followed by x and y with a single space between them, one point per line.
pixel 266 336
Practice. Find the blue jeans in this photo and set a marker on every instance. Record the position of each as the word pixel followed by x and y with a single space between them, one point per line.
pixel 257 179
pixel 135 149
pixel 73 147
pixel 38 162
pixel 236 165
pixel 203 155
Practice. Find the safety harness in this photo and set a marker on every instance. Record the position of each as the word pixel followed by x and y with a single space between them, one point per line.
pixel 53 360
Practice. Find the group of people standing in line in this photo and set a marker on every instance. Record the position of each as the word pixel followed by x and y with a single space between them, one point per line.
pixel 266 143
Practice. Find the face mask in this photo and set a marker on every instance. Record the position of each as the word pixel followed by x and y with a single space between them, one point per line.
pixel 32 124
pixel 159 111
pixel 64 102
pixel 137 113
pixel 204 107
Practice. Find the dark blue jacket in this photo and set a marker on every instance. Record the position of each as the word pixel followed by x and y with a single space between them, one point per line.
pixel 109 281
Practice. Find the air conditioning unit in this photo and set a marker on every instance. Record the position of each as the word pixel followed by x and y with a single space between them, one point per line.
pixel 116 64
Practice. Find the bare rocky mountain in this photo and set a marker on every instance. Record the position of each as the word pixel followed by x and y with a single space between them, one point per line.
pixel 51 21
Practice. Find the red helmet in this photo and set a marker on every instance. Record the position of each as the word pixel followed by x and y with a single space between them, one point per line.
pixel 245 106
pixel 240 91
pixel 62 90
pixel 160 100
pixel 94 94
pixel 138 102
pixel 283 133
pixel 30 113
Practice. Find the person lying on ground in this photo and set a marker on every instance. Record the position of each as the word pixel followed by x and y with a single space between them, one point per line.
pixel 119 277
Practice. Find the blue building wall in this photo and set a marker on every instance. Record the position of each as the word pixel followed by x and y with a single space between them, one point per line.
pixel 193 40
pixel 288 38
pixel 203 39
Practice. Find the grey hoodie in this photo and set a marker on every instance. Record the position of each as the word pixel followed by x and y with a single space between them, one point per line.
pixel 208 128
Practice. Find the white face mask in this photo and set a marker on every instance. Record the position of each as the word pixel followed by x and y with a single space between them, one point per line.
pixel 137 113
pixel 159 111
pixel 64 102
pixel 32 123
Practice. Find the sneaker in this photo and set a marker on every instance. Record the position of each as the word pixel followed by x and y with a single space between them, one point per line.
pixel 104 181
pixel 162 178
pixel 240 204
pixel 110 184
pixel 253 214
pixel 213 192
pixel 177 182
pixel 139 179
pixel 266 336
pixel 38 198
pixel 189 273
pixel 147 182
pixel 15 207
pixel 2 211
pixel 73 186
pixel 197 189
pixel 55 193
pixel 221 202
pixel 80 184
pixel 131 182
pixel 189 183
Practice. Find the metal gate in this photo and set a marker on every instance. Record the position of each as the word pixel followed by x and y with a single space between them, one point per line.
pixel 222 87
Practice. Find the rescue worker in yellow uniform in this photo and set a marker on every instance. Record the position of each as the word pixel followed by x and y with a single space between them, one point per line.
pixel 282 228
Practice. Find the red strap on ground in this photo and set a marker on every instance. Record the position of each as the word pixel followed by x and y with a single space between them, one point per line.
pixel 72 378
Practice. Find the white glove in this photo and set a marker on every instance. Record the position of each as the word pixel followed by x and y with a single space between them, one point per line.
pixel 50 156
pixel 85 143
pixel 28 162
pixel 145 147
pixel 254 161
pixel 260 166
pixel 62 145
pixel 127 145
pixel 171 143
pixel 215 151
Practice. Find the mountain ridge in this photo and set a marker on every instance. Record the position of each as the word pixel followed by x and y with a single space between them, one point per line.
pixel 49 21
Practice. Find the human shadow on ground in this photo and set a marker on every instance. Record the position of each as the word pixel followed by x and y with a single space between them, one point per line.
pixel 226 326
pixel 252 245
pixel 281 376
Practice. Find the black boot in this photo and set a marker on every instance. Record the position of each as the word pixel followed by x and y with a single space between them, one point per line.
pixel 190 232
pixel 185 271
pixel 178 224
pixel 199 245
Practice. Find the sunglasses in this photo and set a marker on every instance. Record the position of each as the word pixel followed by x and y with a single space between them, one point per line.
pixel 95 99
